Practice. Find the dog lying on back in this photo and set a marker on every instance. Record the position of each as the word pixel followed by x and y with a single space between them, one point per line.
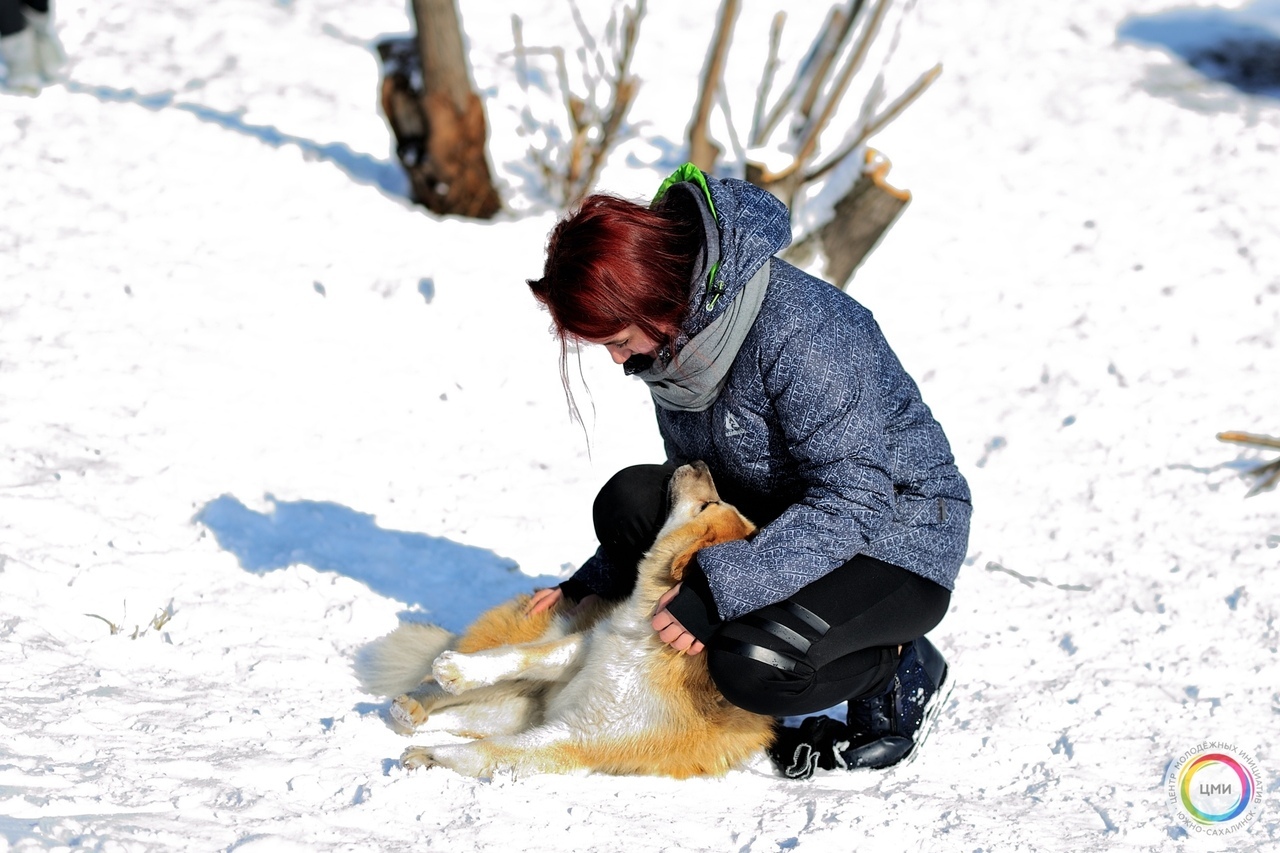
pixel 587 689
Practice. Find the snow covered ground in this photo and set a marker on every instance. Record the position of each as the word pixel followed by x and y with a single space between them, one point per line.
pixel 247 388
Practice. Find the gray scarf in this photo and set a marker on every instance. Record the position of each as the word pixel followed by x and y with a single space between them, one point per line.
pixel 692 380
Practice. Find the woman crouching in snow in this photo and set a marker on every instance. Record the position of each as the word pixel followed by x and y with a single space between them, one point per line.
pixel 786 388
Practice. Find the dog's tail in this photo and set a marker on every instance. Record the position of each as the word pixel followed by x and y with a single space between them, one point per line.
pixel 400 661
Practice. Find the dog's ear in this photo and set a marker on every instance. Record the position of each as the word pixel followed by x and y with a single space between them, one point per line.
pixel 681 562
pixel 729 525
pixel 719 528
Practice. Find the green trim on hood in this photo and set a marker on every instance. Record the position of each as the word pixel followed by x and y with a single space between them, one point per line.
pixel 691 173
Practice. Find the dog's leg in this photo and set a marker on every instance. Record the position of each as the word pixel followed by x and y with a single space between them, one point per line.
pixel 500 709
pixel 504 716
pixel 546 749
pixel 546 661
pixel 412 710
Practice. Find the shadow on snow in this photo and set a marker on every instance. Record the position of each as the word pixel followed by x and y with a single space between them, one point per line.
pixel 451 582
pixel 1240 47
pixel 384 175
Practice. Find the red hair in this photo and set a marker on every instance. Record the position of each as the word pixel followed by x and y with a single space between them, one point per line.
pixel 612 263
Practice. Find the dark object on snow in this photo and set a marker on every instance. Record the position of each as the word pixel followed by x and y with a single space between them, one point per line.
pixel 1268 474
pixel 1239 47
pixel 1251 65
pixel 400 98
pixel 797 752
pixel 886 729
pixel 436 116
pixel 859 221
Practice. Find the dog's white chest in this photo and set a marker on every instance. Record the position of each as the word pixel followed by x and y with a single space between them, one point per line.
pixel 614 690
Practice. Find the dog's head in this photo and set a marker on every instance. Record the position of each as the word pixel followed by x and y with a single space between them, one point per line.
pixel 697 519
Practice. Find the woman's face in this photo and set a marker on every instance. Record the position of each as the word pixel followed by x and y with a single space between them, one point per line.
pixel 630 341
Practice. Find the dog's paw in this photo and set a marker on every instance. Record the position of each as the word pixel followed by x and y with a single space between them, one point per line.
pixel 408 712
pixel 418 756
pixel 450 672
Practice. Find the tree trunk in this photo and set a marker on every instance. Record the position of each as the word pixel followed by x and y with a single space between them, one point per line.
pixel 861 218
pixel 783 188
pixel 442 144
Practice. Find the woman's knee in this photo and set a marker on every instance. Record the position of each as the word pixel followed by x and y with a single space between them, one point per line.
pixel 631 506
pixel 759 687
pixel 792 688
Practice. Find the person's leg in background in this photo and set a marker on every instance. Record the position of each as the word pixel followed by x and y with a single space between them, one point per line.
pixel 18 49
pixel 49 51
pixel 29 44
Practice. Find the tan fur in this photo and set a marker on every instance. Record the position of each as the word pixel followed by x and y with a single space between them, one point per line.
pixel 592 689
pixel 505 625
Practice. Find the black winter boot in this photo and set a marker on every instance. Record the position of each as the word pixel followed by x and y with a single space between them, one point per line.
pixel 798 752
pixel 886 729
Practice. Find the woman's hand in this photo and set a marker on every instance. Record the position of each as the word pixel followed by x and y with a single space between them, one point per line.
pixel 669 629
pixel 543 599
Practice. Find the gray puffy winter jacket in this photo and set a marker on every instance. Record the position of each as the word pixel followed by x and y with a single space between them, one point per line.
pixel 818 429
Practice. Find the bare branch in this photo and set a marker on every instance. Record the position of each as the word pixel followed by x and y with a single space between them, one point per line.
pixel 1249 438
pixel 522 58
pixel 875 125
pixel 625 87
pixel 803 72
pixel 766 79
pixel 596 117
pixel 702 152
pixel 859 53
pixel 832 41
pixel 722 98
pixel 111 626
pixel 630 36
pixel 1268 477
pixel 588 41
pixel 1268 474
pixel 162 618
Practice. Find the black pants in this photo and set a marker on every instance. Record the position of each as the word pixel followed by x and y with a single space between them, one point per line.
pixel 11 20
pixel 868 608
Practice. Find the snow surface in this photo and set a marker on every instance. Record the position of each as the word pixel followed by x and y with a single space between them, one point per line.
pixel 246 384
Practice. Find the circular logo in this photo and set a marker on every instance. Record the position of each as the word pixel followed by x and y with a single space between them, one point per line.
pixel 1214 788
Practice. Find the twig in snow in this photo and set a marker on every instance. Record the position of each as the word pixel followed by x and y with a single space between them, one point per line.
pixel 114 628
pixel 157 622
pixel 1267 474
pixel 162 618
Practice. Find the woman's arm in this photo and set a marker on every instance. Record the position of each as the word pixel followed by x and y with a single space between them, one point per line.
pixel 822 372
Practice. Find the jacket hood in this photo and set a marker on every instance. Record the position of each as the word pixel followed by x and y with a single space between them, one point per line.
pixel 752 226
